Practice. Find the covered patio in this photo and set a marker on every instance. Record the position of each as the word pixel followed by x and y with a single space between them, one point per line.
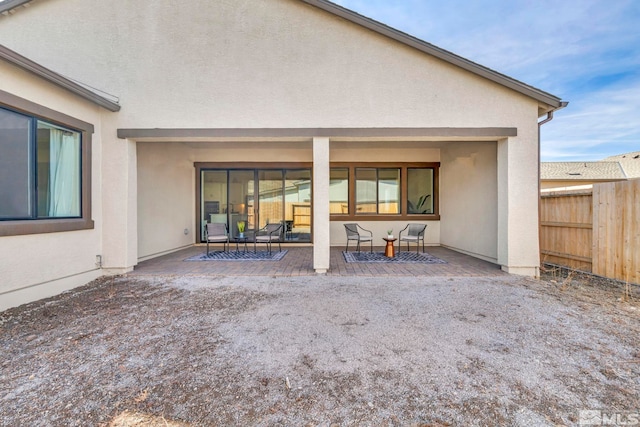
pixel 299 262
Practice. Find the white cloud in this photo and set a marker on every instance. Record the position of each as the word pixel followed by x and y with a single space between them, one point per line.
pixel 600 124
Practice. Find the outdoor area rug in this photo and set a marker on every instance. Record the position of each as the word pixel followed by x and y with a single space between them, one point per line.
pixel 239 256
pixel 400 258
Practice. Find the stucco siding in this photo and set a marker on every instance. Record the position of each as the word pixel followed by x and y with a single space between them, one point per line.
pixel 166 198
pixel 203 64
pixel 40 265
pixel 251 63
pixel 518 249
pixel 380 151
pixel 469 198
pixel 166 182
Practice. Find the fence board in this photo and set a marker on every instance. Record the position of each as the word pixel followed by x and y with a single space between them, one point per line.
pixel 566 230
pixel 598 232
pixel 616 245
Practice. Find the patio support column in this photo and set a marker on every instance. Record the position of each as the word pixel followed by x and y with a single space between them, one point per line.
pixel 119 206
pixel 518 250
pixel 321 223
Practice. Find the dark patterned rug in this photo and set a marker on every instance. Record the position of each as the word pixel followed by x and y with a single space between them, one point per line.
pixel 400 258
pixel 239 256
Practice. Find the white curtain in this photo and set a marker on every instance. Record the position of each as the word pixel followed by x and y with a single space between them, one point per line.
pixel 64 173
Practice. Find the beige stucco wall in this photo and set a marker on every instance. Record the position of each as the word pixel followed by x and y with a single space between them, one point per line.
pixel 469 198
pixel 41 265
pixel 253 63
pixel 166 183
pixel 279 63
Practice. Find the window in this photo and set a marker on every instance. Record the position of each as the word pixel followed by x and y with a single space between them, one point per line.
pixel 40 165
pixel 44 169
pixel 339 191
pixel 15 165
pixel 419 191
pixel 378 191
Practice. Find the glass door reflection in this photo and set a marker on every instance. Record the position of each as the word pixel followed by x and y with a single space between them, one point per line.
pixel 270 195
pixel 214 198
pixel 297 215
pixel 284 197
pixel 241 201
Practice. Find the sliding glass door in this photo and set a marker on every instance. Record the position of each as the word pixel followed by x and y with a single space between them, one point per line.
pixel 283 196
pixel 297 214
pixel 241 205
pixel 270 192
pixel 213 198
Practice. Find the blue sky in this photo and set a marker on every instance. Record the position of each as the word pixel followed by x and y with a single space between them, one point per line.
pixel 586 52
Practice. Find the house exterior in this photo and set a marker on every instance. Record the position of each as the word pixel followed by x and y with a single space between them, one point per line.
pixel 630 163
pixel 558 176
pixel 297 111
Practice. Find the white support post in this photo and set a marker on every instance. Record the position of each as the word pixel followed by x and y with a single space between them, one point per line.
pixel 119 207
pixel 518 246
pixel 321 223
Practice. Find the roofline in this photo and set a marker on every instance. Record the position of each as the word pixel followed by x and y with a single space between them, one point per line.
pixel 55 78
pixel 408 40
pixel 583 161
pixel 442 54
pixel 622 169
pixel 7 5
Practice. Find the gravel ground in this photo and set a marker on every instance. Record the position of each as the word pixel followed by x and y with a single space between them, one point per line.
pixel 191 351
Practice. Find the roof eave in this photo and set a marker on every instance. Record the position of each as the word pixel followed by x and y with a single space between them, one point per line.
pixel 8 5
pixel 546 98
pixel 55 78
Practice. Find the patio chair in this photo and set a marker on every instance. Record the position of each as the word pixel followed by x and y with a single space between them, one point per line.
pixel 217 232
pixel 288 229
pixel 414 234
pixel 268 234
pixel 359 234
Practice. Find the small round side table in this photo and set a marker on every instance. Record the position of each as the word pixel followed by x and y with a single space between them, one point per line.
pixel 389 250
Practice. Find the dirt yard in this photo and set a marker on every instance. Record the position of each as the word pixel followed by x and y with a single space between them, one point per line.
pixel 199 351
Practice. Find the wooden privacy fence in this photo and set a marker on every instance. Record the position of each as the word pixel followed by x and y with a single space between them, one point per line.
pixel 597 230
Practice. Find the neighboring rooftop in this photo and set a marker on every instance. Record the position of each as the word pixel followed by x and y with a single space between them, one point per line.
pixel 630 163
pixel 568 171
pixel 619 167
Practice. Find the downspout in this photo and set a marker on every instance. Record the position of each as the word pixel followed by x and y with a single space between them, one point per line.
pixel 547 120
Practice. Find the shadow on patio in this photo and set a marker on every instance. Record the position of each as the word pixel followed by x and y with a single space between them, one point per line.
pixel 299 262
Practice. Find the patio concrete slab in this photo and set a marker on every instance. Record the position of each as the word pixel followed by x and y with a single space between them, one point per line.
pixel 299 262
